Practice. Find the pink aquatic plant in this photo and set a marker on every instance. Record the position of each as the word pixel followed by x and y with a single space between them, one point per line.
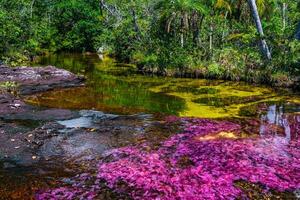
pixel 202 162
pixel 78 190
pixel 66 193
pixel 211 165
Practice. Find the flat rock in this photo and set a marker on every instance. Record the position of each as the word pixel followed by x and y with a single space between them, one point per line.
pixel 38 79
pixel 31 80
pixel 10 104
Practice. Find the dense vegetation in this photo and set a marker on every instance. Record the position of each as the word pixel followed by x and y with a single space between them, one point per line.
pixel 215 38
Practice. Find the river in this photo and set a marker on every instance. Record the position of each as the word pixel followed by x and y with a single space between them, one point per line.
pixel 259 122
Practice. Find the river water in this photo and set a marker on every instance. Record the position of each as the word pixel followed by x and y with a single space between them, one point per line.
pixel 115 88
pixel 268 117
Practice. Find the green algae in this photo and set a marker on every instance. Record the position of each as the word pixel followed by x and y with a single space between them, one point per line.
pixel 115 87
pixel 227 101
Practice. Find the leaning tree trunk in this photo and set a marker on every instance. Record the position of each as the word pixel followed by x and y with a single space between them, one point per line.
pixel 263 44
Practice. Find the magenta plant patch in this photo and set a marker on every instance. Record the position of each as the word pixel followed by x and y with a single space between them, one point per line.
pixel 67 193
pixel 202 162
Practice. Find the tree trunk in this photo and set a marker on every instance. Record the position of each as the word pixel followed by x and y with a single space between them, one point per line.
pixel 101 6
pixel 224 27
pixel 135 24
pixel 182 32
pixel 263 44
pixel 211 30
pixel 284 9
pixel 31 8
pixel 200 28
pixel 195 28
pixel 297 35
pixel 181 40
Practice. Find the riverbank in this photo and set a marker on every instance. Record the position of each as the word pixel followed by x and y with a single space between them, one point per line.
pixel 215 72
pixel 228 71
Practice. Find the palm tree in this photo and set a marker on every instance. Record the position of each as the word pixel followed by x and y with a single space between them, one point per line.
pixel 263 44
pixel 255 10
pixel 182 15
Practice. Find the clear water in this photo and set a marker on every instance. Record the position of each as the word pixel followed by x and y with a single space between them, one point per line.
pixel 116 88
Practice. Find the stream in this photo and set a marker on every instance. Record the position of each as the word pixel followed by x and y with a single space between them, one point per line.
pixel 173 127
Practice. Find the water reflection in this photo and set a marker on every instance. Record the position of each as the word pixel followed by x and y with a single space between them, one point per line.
pixel 108 88
pixel 115 88
pixel 280 121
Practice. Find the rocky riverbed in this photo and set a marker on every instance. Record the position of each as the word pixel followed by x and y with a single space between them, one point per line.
pixel 63 152
pixel 38 143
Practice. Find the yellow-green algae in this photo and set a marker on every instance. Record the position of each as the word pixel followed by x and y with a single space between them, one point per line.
pixel 113 87
pixel 225 89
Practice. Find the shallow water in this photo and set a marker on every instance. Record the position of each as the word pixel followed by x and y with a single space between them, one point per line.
pixel 114 88
pixel 267 119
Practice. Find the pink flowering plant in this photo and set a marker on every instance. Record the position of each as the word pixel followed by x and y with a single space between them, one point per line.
pixel 202 162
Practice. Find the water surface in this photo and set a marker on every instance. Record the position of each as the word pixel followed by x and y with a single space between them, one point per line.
pixel 116 88
pixel 269 118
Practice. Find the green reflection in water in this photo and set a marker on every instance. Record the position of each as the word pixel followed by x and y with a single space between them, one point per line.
pixel 110 87
pixel 115 88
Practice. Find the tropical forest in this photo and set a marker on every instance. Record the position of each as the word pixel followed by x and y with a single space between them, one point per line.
pixel 149 99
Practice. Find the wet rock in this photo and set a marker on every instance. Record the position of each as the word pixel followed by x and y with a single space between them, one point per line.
pixel 77 141
pixel 32 80
pixel 21 141
pixel 81 122
pixel 297 194
pixel 7 165
pixel 97 115
pixel 88 119
pixel 86 138
pixel 10 104
pixel 42 115
pixel 37 79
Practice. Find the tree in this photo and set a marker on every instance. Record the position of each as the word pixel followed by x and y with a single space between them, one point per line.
pixel 182 16
pixel 263 44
